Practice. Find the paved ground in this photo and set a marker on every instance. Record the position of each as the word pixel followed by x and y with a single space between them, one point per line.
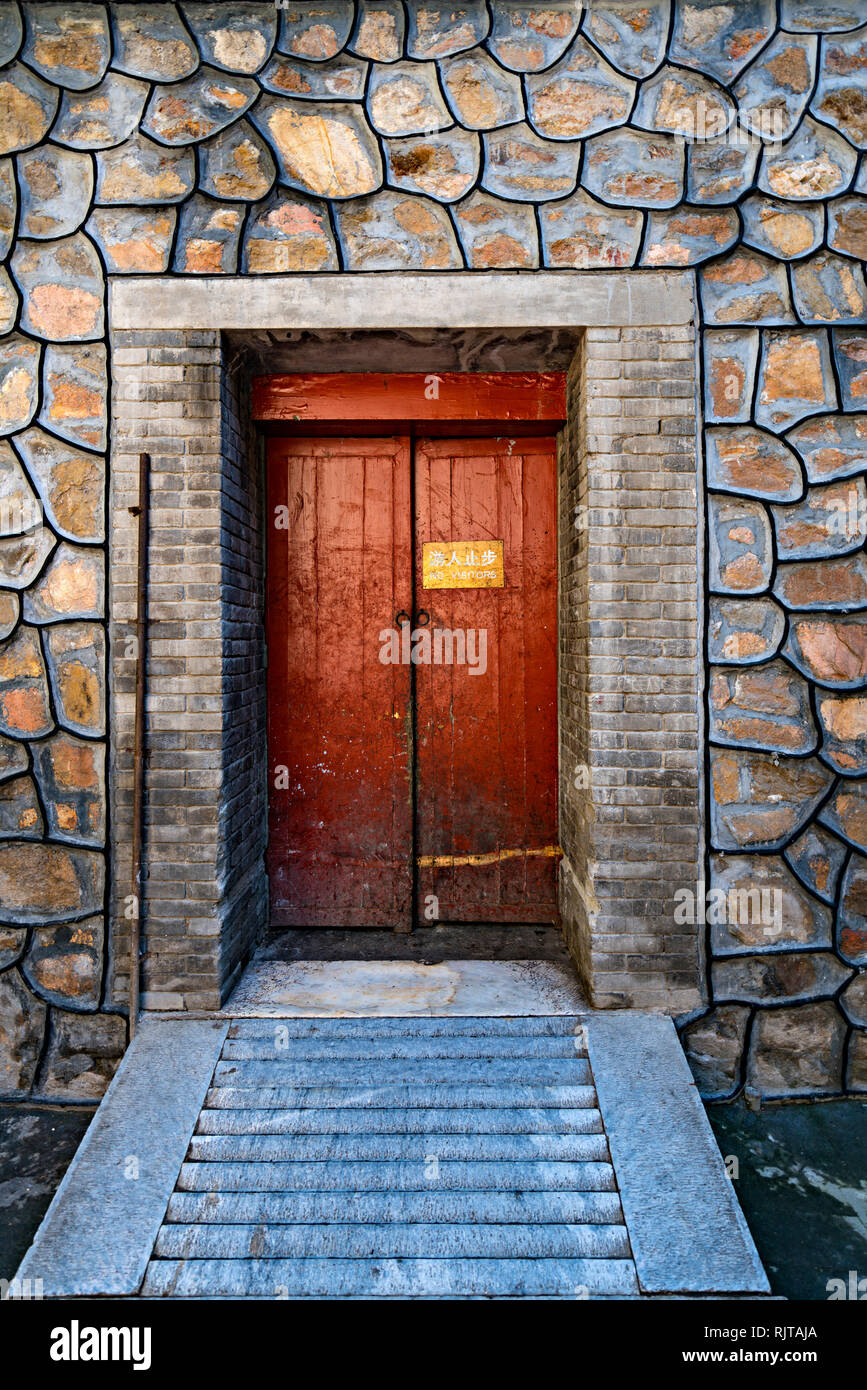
pixel 36 1145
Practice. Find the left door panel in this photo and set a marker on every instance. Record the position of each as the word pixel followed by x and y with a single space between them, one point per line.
pixel 339 720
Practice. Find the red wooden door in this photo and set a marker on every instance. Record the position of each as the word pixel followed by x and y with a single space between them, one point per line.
pixel 339 570
pixel 486 761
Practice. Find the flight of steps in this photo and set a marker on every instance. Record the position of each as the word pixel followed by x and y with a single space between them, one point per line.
pixel 395 1158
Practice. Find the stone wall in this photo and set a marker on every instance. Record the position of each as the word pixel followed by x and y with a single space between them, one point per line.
pixel 239 138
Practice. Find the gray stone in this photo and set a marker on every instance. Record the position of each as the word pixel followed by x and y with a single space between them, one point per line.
pixel 379 31
pixel 394 232
pixel 72 586
pixel 8 206
pixel 203 104
pixel 773 92
pixel 340 78
pixel 817 858
pixel 795 378
pixel 689 236
pixel 814 163
pixel 721 39
pixel 22 558
pixel 720 171
pixel 579 96
pixel 328 151
pixel 853 1000
pixel 9 610
pixel 584 234
pixel 632 169
pixel 28 105
pixel 151 41
pixel 83 1053
pixel 850 355
pixel 780 229
pixel 20 509
pixel 752 463
pixel 134 241
pixel 11 31
pixel 237 38
pixel 856 1066
pixel 20 816
pixel 43 884
pixel 825 16
pixel 406 99
pixel 760 800
pixel 683 103
pixel 631 33
pixel 100 1228
pixel 22 1028
pixel 62 285
pixel 497 235
pixel 64 964
pixel 714 1046
pixel 289 233
pixel 480 93
pixel 521 166
pixel 829 289
pixel 852 913
pixel 757 905
pixel 435 31
pixel 796 1051
pixel 527 38
pixel 839 99
pixel 442 166
pixel 730 368
pixel 71 776
pixel 236 164
pixel 208 237
pixel 56 185
pixel 19 382
pixel 106 115
pixel 847 227
pixel 67 43
pixel 74 393
pixel 140 171
pixel 744 630
pixel 832 446
pixel 75 653
pixel 846 813
pixel 831 520
pixel 745 287
pixel 761 707
pixel 12 943
pixel 69 482
pixel 741 555
pixel 8 302
pixel 13 757
pixel 789 975
pixel 315 31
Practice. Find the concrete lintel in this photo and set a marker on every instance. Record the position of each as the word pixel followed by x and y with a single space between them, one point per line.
pixel 687 1231
pixel 98 1233
pixel 541 299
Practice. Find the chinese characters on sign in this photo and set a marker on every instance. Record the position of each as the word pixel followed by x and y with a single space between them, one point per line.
pixel 462 564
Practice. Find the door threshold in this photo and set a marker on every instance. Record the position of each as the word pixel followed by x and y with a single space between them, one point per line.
pixel 429 943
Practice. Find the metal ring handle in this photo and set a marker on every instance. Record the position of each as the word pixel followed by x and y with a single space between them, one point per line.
pixel 402 617
pixel 423 617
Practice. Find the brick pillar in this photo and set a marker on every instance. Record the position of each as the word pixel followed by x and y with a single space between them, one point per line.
pixel 205 885
pixel 630 667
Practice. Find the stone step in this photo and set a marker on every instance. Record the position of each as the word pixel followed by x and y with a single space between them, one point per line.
pixel 274 1047
pixel 351 1177
pixel 413 1278
pixel 394 1241
pixel 457 1207
pixel 368 1121
pixel 426 1027
pixel 574 1072
pixel 398 1097
pixel 388 1148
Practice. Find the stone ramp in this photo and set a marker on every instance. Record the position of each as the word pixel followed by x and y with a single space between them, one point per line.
pixel 559 1156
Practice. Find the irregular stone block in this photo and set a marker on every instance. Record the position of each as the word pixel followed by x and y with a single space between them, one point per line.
pixel 208 237
pixel 830 649
pixel 846 813
pixel 236 164
pixel 714 1045
pixel 844 726
pixel 856 1066
pixel 631 33
pixel 20 816
pixel 720 171
pixel 756 904
pixel 379 32
pixel 853 1002
pixel 22 557
pixel 8 206
pixel 745 631
pixel 634 170
pixel 850 354
pixel 790 975
pixel 832 446
pixel 797 1051
pixel 852 914
pixel 480 93
pixel 519 165
pixel 198 107
pixel 12 943
pixel 8 302
pixel 141 172
pixel 579 96
pixel 9 607
pixel 689 236
pixel 780 229
pixel 795 378
pixel 62 287
pixel 64 963
pixel 341 78
pixel 527 38
pixel 443 166
pixel 749 461
pixel 56 185
pixel 329 152
pixel 828 289
pixel 105 116
pixel 20 509
pixel 13 755
pixel 814 163
pixel 761 707
pixel 730 368
pixel 71 775
pixel 746 288
pixel 75 387
pixel 316 31
pixel 73 586
pixel 28 105
pixel 847 227
pixel 76 667
pixel 22 1028
pixel 132 240
pixel 24 705
pixel 406 99
pixel 11 34
pixel 150 41
pixel 840 98
pixel 741 553
pixel 289 233
pixel 721 39
pixel 19 382
pixel 237 38
pixel 823 583
pixel 69 482
pixel 497 235
pixel 584 234
pixel 68 44
pixel 817 858
pixel 435 31
pixel 825 16
pixel 682 104
pixel 394 232
pixel 83 1054
pixel 831 520
pixel 773 92
pixel 761 800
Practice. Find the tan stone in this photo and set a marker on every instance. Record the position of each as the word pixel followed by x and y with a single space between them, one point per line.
pixel 565 109
pixel 63 312
pixel 743 573
pixel 805 178
pixel 793 371
pixel 322 154
pixel 22 119
pixel 791 233
pixel 377 36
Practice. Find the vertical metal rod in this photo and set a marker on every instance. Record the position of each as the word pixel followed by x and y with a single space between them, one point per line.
pixel 139 749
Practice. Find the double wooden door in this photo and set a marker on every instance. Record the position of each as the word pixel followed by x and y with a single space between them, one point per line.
pixel 407 791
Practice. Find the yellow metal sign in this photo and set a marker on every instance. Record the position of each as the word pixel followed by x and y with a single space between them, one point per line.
pixel 462 565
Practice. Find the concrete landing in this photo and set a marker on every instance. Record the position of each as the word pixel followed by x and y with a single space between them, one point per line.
pixel 435 1156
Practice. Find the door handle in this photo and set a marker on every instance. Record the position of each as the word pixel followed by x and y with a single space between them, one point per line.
pixel 423 617
pixel 402 617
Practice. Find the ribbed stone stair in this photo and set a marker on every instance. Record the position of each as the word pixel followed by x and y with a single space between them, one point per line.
pixel 397 1157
